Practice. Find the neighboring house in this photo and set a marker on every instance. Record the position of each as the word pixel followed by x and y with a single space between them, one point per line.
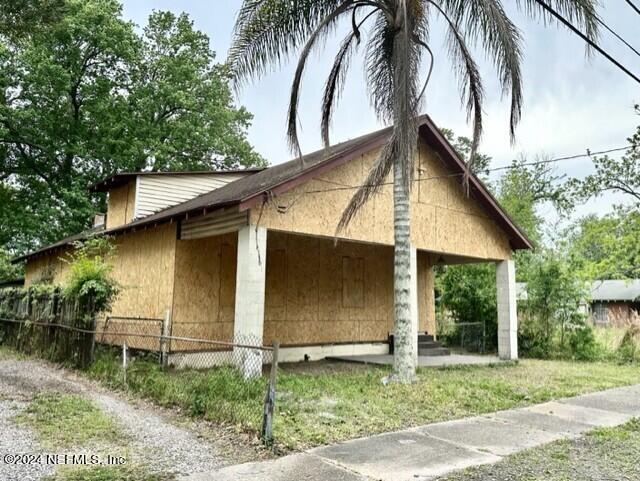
pixel 615 303
pixel 250 255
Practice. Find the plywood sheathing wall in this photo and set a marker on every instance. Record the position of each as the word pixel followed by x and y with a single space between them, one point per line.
pixel 144 268
pixel 444 220
pixel 48 268
pixel 205 283
pixel 318 293
pixel 121 205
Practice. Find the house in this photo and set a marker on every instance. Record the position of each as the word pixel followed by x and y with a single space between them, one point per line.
pixel 250 256
pixel 615 303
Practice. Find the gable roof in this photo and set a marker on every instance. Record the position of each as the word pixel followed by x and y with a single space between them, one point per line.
pixel 250 190
pixel 616 290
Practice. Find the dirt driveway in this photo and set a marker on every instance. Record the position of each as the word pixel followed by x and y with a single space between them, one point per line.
pixel 162 441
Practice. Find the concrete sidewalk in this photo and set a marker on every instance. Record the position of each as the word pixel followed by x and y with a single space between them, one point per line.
pixel 430 451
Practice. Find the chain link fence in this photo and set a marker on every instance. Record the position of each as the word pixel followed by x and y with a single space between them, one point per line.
pixel 232 383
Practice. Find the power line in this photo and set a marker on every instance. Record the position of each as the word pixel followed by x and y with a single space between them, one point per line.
pixel 597 47
pixel 634 6
pixel 615 34
pixel 588 153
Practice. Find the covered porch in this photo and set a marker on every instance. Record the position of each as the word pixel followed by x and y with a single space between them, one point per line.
pixel 315 298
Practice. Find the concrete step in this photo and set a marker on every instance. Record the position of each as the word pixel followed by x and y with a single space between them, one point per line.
pixel 433 351
pixel 428 344
pixel 425 338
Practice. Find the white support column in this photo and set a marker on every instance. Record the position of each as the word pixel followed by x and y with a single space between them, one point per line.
pixel 507 310
pixel 414 302
pixel 249 307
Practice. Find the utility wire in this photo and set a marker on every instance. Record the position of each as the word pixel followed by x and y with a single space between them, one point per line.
pixel 588 153
pixel 615 34
pixel 634 6
pixel 597 47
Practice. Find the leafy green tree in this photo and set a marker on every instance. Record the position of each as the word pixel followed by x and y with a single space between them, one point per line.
pixel 86 96
pixel 468 294
pixel 611 175
pixel 268 31
pixel 8 271
pixel 554 293
pixel 463 146
pixel 606 247
pixel 20 18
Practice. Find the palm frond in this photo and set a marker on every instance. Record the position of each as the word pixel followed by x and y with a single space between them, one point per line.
pixel 582 13
pixel 486 21
pixel 266 32
pixel 335 80
pixel 323 28
pixel 471 89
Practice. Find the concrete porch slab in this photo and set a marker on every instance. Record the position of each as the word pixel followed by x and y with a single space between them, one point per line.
pixel 402 456
pixel 425 361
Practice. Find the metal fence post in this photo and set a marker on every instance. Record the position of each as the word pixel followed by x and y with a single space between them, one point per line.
pixel 164 342
pixel 124 364
pixel 270 399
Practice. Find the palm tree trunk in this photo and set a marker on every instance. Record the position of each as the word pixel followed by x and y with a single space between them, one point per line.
pixel 405 355
pixel 405 343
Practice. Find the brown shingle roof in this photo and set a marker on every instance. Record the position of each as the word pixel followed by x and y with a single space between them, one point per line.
pixel 249 190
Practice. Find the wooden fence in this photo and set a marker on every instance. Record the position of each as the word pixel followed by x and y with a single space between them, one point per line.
pixel 48 323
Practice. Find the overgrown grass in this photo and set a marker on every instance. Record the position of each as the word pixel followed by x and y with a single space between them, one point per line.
pixel 108 473
pixel 68 420
pixel 609 453
pixel 319 403
pixel 219 395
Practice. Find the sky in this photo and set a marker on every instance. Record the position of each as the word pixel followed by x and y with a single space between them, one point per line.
pixel 572 103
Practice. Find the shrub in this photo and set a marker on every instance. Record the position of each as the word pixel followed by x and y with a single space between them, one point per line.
pixel 89 277
pixel 629 351
pixel 582 343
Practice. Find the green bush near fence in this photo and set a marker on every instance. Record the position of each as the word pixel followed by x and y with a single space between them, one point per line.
pixel 219 394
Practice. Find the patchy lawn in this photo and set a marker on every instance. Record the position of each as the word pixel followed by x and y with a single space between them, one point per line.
pixel 610 453
pixel 325 402
pixel 68 420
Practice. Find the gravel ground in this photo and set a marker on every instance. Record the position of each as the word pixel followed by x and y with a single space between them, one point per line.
pixel 153 438
pixel 17 440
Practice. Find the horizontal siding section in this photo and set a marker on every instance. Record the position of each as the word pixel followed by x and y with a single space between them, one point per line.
pixel 213 224
pixel 157 192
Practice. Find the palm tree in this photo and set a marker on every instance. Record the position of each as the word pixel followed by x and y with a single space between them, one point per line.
pixel 397 43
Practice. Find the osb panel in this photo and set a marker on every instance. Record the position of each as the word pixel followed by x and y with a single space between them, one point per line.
pixel 444 220
pixel 319 293
pixel 50 268
pixel 205 281
pixel 121 205
pixel 144 267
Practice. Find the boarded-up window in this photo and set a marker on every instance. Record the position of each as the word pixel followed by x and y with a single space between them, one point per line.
pixel 276 288
pixel 352 282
